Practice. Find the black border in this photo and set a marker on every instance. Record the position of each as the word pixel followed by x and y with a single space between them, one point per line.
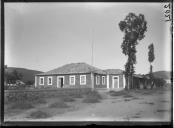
pixel 78 123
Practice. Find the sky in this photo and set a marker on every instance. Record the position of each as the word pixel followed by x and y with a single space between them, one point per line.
pixel 44 36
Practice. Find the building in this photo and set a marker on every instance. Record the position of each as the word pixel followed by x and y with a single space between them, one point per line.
pixel 115 78
pixel 81 75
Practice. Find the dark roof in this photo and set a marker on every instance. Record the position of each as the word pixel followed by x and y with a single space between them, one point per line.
pixel 141 76
pixel 74 68
pixel 114 71
pixel 138 76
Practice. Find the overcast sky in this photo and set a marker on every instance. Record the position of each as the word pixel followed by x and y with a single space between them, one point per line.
pixel 44 36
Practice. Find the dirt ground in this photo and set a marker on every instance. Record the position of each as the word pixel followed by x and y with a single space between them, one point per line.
pixel 143 105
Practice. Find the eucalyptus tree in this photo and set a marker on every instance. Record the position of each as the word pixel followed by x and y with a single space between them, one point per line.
pixel 134 28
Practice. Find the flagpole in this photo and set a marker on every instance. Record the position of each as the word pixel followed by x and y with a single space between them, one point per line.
pixel 92 58
pixel 92 48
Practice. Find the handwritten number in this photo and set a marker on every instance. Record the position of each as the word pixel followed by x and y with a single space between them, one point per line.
pixel 167 11
pixel 167 16
pixel 167 6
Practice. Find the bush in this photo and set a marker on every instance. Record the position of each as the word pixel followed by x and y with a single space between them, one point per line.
pixel 159 82
pixel 39 114
pixel 68 99
pixel 59 104
pixel 39 101
pixel 92 97
pixel 119 93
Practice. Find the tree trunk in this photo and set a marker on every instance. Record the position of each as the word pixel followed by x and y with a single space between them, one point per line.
pixel 128 87
pixel 151 84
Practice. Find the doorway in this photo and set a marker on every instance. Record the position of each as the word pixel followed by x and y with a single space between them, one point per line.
pixel 115 82
pixel 60 81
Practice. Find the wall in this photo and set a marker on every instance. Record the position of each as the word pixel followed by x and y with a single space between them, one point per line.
pixel 120 80
pixel 100 84
pixel 66 81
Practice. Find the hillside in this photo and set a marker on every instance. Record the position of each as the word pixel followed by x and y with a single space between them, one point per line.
pixel 28 75
pixel 162 74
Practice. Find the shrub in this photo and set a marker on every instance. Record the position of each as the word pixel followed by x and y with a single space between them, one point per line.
pixel 39 114
pixel 39 101
pixel 92 97
pixel 78 95
pixel 68 99
pixel 159 82
pixel 58 104
pixel 119 93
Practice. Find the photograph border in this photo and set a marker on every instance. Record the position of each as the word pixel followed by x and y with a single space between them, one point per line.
pixel 74 123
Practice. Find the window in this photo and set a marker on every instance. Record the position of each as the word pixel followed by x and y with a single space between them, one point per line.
pixel 41 80
pixel 72 80
pixel 103 80
pixel 97 80
pixel 49 80
pixel 82 79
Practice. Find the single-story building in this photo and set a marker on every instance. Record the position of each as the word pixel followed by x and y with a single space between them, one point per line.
pixel 81 75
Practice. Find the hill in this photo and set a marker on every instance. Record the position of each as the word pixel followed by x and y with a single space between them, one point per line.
pixel 162 74
pixel 28 74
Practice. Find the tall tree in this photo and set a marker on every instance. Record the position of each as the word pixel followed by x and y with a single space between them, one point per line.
pixel 151 58
pixel 134 28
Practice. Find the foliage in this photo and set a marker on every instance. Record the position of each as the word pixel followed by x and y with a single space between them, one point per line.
pixel 151 55
pixel 92 97
pixel 59 104
pixel 120 93
pixel 29 82
pixel 12 77
pixel 159 82
pixel 68 99
pixel 22 105
pixel 39 114
pixel 134 28
pixel 36 96
pixel 17 87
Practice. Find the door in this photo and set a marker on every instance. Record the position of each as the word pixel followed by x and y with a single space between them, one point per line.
pixel 61 82
pixel 115 82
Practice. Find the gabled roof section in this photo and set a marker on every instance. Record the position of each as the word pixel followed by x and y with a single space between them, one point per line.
pixel 74 68
pixel 114 71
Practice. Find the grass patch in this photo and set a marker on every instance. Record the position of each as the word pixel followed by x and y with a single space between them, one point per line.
pixel 136 116
pixel 92 97
pixel 150 103
pixel 36 95
pixel 21 105
pixel 135 98
pixel 39 101
pixel 123 93
pixel 119 93
pixel 68 99
pixel 127 96
pixel 77 95
pixel 39 114
pixel 161 110
pixel 127 99
pixel 164 101
pixel 59 104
